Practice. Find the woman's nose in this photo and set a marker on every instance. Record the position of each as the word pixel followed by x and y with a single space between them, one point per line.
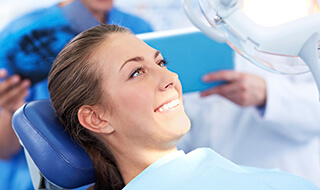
pixel 168 79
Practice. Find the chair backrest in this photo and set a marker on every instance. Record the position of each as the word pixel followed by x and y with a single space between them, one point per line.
pixel 56 155
pixel 66 164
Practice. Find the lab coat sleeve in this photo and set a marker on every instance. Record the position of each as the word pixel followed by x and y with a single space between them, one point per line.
pixel 292 107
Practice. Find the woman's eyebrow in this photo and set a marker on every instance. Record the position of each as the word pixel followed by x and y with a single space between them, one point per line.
pixel 138 59
pixel 156 54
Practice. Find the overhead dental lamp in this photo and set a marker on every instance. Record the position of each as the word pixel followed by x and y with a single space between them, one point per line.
pixel 289 47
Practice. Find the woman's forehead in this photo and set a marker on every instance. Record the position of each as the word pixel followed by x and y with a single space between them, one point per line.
pixel 122 46
pixel 118 48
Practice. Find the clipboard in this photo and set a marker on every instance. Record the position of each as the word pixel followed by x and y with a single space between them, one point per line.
pixel 191 55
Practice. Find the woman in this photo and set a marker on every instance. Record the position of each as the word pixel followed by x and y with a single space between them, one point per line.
pixel 114 95
pixel 30 44
pixel 28 47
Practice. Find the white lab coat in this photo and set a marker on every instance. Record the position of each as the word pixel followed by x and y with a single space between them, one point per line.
pixel 285 136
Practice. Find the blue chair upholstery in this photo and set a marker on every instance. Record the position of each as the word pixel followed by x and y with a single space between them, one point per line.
pixel 66 164
pixel 56 155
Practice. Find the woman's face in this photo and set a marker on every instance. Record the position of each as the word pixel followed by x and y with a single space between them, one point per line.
pixel 146 98
pixel 98 5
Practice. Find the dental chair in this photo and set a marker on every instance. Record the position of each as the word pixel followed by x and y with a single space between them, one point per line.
pixel 56 161
pixel 53 156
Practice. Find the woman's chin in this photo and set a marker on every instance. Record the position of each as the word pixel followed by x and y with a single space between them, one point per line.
pixel 183 125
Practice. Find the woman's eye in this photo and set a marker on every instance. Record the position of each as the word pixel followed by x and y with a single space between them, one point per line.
pixel 137 72
pixel 163 63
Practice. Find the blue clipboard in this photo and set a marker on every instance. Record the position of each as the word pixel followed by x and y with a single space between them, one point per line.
pixel 191 54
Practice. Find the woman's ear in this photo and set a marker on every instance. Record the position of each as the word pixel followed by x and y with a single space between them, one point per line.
pixel 91 118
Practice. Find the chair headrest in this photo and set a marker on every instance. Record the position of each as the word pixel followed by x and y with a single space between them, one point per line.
pixel 59 158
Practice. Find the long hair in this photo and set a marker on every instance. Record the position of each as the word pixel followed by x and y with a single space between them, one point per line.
pixel 74 81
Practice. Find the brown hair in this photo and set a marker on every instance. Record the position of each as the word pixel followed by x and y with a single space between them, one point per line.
pixel 74 81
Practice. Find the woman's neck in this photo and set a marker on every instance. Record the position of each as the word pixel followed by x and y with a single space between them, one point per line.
pixel 132 163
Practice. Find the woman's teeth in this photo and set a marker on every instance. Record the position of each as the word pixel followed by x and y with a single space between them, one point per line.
pixel 170 105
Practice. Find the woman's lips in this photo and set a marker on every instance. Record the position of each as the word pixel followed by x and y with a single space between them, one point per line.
pixel 166 106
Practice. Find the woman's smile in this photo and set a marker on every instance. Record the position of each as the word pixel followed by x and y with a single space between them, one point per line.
pixel 168 105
